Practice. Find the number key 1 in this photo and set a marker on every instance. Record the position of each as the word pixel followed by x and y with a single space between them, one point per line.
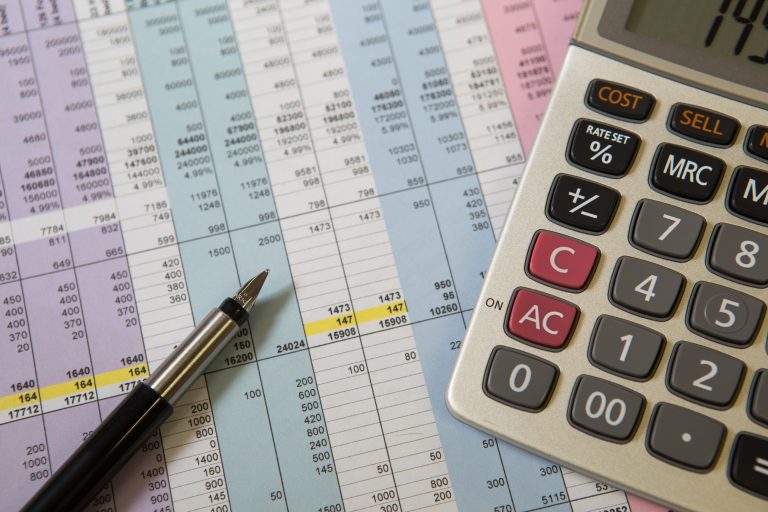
pixel 625 348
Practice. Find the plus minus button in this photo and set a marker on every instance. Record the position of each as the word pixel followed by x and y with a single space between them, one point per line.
pixel 581 204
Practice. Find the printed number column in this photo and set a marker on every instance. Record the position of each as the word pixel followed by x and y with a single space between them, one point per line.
pixel 57 332
pixel 189 436
pixel 145 222
pixel 387 359
pixel 25 463
pixel 296 407
pixel 427 278
pixel 482 101
pixel 441 142
pixel 235 381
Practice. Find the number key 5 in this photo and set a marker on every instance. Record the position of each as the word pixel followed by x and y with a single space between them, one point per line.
pixel 724 315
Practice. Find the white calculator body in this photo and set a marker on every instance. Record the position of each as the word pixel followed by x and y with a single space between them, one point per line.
pixel 621 330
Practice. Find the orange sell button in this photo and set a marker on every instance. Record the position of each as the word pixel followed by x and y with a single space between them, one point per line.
pixel 703 125
pixel 619 100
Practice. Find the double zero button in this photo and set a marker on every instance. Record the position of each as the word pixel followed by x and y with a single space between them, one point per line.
pixel 605 409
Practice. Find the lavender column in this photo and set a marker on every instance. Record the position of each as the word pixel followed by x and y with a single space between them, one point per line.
pixel 25 463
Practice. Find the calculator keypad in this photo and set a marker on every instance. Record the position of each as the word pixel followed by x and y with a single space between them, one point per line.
pixel 602 408
pixel 646 288
pixel 684 437
pixel 625 348
pixel 704 375
pixel 735 253
pixel 667 245
pixel 665 230
pixel 682 172
pixel 724 314
pixel 582 204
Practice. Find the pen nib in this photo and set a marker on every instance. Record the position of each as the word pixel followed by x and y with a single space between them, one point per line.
pixel 246 295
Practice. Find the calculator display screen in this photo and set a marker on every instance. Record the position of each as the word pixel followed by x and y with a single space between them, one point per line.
pixel 736 30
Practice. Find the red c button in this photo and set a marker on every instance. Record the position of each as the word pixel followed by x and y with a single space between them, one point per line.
pixel 561 261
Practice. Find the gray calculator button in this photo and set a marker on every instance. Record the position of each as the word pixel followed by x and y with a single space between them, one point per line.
pixel 625 348
pixel 605 409
pixel 519 379
pixel 684 437
pixel 705 375
pixel 646 288
pixel 758 407
pixel 724 314
pixel 666 230
pixel 740 253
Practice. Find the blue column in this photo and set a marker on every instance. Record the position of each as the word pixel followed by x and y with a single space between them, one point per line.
pixel 422 248
pixel 441 142
pixel 267 411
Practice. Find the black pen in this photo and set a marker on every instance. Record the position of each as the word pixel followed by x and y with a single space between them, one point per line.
pixel 150 403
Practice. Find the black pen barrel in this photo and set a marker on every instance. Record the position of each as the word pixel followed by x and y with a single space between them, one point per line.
pixel 102 455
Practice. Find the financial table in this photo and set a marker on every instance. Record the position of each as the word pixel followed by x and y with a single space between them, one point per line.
pixel 156 153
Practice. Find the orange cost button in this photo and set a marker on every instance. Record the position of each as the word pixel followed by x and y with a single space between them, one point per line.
pixel 619 100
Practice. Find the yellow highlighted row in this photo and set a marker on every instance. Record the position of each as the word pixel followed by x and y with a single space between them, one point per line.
pixel 354 318
pixel 75 386
pixel 91 382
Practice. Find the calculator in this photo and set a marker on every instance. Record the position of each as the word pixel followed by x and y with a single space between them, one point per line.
pixel 621 329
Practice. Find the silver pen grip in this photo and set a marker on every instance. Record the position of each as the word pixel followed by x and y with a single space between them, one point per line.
pixel 190 358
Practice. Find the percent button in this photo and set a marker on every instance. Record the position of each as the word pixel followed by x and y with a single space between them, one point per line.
pixel 602 148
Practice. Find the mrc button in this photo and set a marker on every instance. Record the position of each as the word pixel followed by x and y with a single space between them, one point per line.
pixel 601 147
pixel 685 173
pixel 619 100
pixel 703 125
pixel 748 194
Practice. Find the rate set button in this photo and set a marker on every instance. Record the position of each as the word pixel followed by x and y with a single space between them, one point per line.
pixel 602 148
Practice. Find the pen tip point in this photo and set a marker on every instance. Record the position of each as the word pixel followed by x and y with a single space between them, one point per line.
pixel 250 290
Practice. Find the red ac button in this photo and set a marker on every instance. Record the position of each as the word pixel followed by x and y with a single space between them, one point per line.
pixel 541 319
pixel 561 261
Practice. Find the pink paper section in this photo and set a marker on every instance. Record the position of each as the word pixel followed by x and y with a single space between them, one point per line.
pixel 530 39
pixel 638 504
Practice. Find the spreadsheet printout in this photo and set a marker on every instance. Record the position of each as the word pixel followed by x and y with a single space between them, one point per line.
pixel 155 154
